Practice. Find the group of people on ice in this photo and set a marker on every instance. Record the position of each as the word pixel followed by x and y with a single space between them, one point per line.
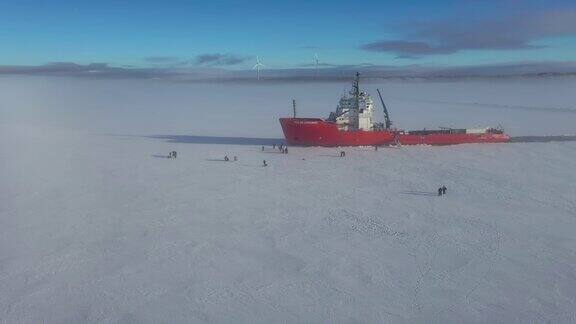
pixel 442 190
pixel 283 149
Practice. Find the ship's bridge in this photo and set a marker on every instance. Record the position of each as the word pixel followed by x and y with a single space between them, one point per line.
pixel 354 113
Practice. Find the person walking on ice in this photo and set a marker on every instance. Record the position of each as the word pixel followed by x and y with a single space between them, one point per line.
pixel 444 190
pixel 264 164
pixel 226 158
pixel 440 191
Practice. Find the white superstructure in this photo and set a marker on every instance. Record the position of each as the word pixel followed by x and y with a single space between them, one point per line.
pixel 355 111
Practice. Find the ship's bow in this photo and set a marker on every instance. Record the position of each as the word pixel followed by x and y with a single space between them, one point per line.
pixel 309 132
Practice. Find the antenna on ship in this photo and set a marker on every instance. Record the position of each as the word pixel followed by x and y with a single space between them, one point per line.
pixel 357 90
pixel 257 67
pixel 357 98
pixel 387 120
pixel 294 107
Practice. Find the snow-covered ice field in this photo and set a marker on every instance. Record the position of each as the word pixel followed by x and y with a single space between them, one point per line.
pixel 97 226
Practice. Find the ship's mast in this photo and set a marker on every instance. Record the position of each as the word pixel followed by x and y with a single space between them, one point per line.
pixel 357 91
pixel 294 107
pixel 357 95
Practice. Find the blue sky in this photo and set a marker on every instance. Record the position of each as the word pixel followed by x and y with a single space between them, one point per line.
pixel 286 34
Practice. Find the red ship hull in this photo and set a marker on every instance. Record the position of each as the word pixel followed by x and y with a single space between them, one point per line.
pixel 318 132
pixel 450 139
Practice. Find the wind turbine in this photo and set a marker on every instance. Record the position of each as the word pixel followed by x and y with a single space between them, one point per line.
pixel 316 63
pixel 257 67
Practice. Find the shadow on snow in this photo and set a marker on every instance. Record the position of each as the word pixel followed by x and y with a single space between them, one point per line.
pixel 419 193
pixel 543 139
pixel 192 139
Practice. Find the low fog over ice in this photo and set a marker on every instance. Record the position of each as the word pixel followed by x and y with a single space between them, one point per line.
pixel 97 226
pixel 535 106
